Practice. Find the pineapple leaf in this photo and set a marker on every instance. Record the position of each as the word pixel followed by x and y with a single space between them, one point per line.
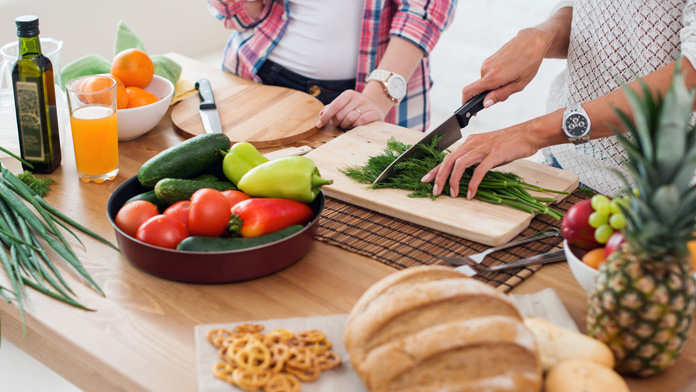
pixel 640 164
pixel 667 201
pixel 642 123
pixel 669 134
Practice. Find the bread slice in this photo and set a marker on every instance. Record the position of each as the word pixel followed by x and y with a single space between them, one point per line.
pixel 411 306
pixel 494 353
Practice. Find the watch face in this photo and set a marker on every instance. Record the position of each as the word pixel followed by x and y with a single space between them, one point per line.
pixel 576 125
pixel 396 87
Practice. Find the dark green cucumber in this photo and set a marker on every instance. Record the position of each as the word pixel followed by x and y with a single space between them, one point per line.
pixel 217 244
pixel 150 196
pixel 185 160
pixel 171 190
pixel 206 177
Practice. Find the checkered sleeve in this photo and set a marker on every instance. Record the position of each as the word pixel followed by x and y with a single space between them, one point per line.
pixel 687 35
pixel 234 14
pixel 422 21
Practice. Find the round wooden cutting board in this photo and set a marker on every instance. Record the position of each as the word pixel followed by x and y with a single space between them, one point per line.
pixel 265 116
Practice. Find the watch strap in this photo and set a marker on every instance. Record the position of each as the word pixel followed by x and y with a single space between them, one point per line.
pixel 382 76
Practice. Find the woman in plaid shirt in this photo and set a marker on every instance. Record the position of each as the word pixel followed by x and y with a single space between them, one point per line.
pixel 311 45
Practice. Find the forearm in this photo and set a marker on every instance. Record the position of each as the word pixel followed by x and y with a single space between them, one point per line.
pixel 401 57
pixel 556 33
pixel 602 111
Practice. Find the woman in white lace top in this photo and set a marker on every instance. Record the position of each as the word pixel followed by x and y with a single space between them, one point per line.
pixel 603 41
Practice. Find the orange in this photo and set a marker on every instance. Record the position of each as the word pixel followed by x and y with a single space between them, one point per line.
pixel 133 67
pixel 138 97
pixel 94 84
pixel 692 250
pixel 594 258
pixel 121 95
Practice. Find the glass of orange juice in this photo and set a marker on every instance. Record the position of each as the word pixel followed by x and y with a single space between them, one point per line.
pixel 92 103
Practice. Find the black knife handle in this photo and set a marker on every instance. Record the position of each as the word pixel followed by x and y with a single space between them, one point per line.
pixel 206 94
pixel 471 107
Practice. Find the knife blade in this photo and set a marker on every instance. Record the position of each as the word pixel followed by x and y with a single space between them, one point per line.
pixel 208 109
pixel 449 131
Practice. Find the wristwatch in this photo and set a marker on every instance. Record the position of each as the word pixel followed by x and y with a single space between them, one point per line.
pixel 394 84
pixel 576 124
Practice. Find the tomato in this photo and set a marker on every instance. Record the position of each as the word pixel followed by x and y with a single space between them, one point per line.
pixel 180 211
pixel 162 230
pixel 209 213
pixel 134 214
pixel 235 197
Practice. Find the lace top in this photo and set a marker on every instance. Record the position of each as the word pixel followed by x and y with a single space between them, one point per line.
pixel 610 40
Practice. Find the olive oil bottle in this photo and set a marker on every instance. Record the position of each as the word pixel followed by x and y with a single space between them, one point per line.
pixel 35 100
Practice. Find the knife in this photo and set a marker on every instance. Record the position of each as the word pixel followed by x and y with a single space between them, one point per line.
pixel 208 110
pixel 450 131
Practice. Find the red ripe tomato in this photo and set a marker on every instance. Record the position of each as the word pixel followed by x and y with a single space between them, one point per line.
pixel 209 213
pixel 162 230
pixel 180 211
pixel 134 214
pixel 235 196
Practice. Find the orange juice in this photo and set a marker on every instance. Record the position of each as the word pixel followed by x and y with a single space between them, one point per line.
pixel 95 139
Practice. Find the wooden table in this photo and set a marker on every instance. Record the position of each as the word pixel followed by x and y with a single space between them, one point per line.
pixel 141 335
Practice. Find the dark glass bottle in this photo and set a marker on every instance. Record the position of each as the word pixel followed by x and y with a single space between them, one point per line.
pixel 35 100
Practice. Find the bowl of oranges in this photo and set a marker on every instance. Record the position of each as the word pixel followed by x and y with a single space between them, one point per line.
pixel 143 97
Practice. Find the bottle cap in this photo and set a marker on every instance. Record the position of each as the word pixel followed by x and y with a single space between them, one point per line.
pixel 27 26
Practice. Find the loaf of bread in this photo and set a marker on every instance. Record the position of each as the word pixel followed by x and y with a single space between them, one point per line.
pixel 430 328
pixel 557 344
pixel 583 375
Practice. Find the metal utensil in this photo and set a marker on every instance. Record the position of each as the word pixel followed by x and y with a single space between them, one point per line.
pixel 208 110
pixel 478 258
pixel 544 258
pixel 450 131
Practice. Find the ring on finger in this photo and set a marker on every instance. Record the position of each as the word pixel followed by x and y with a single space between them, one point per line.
pixel 358 110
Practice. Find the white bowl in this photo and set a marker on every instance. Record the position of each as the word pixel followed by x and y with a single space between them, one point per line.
pixel 135 122
pixel 583 273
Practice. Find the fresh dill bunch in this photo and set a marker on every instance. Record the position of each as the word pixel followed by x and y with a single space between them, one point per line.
pixel 39 185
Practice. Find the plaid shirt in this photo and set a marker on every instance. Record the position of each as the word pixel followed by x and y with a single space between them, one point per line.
pixel 418 21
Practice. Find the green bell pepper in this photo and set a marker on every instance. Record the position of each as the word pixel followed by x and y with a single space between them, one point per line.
pixel 294 177
pixel 241 158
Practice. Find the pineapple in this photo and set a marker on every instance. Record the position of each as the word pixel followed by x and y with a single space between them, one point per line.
pixel 644 298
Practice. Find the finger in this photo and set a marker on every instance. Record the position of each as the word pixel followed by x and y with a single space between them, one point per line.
pixel 474 89
pixel 501 94
pixel 350 118
pixel 484 167
pixel 334 107
pixel 367 118
pixel 458 170
pixel 431 174
pixel 445 170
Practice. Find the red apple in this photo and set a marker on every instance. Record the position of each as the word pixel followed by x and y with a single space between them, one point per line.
pixel 614 243
pixel 576 228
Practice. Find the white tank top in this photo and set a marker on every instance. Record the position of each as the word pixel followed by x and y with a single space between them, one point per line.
pixel 322 39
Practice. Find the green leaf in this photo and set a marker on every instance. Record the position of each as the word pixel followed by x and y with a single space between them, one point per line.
pixel 642 121
pixel 667 201
pixel 672 126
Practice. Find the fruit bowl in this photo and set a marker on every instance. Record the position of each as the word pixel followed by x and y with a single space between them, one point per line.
pixel 210 267
pixel 583 273
pixel 135 122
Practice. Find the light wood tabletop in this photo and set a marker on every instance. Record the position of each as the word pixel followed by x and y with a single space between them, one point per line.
pixel 140 336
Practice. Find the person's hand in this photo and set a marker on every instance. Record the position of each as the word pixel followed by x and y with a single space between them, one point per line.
pixel 511 68
pixel 488 150
pixel 349 110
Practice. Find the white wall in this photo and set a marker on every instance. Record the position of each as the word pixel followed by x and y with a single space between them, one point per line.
pixel 89 26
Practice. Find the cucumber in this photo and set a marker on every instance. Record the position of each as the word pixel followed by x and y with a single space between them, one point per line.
pixel 171 190
pixel 217 244
pixel 184 160
pixel 150 196
pixel 207 177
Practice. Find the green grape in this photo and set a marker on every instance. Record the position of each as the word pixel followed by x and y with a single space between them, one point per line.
pixel 617 221
pixel 601 204
pixel 602 233
pixel 615 205
pixel 597 219
pixel 636 192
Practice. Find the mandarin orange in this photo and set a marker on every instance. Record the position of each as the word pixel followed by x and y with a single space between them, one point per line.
pixel 138 97
pixel 96 85
pixel 133 67
pixel 121 94
pixel 594 258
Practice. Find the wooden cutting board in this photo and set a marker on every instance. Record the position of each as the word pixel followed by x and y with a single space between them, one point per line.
pixel 265 116
pixel 475 220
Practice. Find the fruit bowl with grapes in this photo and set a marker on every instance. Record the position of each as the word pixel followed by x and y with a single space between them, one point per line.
pixel 591 231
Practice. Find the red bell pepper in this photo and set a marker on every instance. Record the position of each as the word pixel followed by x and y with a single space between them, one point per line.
pixel 259 216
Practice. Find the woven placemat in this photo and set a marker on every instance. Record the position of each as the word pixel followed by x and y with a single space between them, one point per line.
pixel 401 244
